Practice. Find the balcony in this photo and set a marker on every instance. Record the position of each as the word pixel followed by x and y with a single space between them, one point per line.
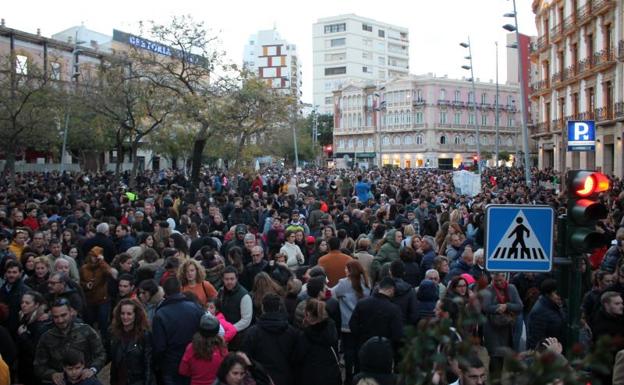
pixel 556 125
pixel 606 56
pixel 443 102
pixel 621 50
pixel 601 6
pixel 568 24
pixel 585 64
pixel 543 128
pixel 542 43
pixel 619 110
pixel 556 32
pixel 457 104
pixel 584 14
pixel 587 115
pixel 604 114
pixel 485 106
pixel 418 102
pixel 539 86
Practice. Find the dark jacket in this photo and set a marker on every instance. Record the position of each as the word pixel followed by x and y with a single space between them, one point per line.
pixel 123 244
pixel 461 267
pixel 135 356
pixel 73 294
pixel 12 297
pixel 605 324
pixel 250 272
pixel 317 353
pixel 546 319
pixel 427 261
pixel 611 258
pixel 49 358
pixel 376 316
pixel 405 298
pixel 271 342
pixel 427 296
pixel 27 345
pixel 169 339
pixel 102 241
pixel 230 302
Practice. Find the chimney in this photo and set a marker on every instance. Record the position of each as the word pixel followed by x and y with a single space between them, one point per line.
pixel 2 23
pixel 38 31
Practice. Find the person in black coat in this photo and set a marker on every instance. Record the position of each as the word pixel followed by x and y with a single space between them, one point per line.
pixel 317 347
pixel 547 318
pixel 34 321
pixel 130 345
pixel 11 294
pixel 404 293
pixel 169 339
pixel 378 316
pixel 609 320
pixel 101 239
pixel 272 341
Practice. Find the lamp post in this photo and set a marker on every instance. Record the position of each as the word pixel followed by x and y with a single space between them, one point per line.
pixel 379 110
pixel 74 77
pixel 474 99
pixel 294 132
pixel 523 107
pixel 496 116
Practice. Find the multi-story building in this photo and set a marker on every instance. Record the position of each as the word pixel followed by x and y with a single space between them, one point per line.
pixel 350 48
pixel 275 60
pixel 579 52
pixel 423 121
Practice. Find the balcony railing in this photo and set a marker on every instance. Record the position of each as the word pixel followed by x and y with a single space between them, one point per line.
pixel 584 13
pixel 585 64
pixel 621 50
pixel 604 113
pixel 604 56
pixel 457 103
pixel 543 127
pixel 569 23
pixel 540 85
pixel 556 125
pixel 443 102
pixel 542 42
pixel 600 6
pixel 619 110
pixel 556 32
pixel 418 102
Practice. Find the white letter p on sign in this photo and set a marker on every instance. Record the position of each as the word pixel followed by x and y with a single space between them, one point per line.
pixel 581 131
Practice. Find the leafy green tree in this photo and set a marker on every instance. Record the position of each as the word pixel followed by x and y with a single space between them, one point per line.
pixel 504 156
pixel 29 109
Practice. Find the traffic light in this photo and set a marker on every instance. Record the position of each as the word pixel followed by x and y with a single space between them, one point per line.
pixel 584 209
pixel 329 150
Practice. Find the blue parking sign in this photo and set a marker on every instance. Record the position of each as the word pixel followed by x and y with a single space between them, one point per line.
pixel 581 135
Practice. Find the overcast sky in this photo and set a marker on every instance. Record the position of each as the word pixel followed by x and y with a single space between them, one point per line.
pixel 435 26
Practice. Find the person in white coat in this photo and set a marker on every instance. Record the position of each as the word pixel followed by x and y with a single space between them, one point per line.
pixel 294 256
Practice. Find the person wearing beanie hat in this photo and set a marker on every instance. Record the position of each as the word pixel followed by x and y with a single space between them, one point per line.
pixel 204 354
pixel 375 357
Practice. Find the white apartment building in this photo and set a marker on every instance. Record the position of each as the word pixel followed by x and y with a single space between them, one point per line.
pixel 275 60
pixel 350 48
pixel 424 121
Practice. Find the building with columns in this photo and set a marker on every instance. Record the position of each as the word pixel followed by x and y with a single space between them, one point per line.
pixel 423 121
pixel 579 56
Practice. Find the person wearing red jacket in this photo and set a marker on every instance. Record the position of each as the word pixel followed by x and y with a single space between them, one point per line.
pixel 204 353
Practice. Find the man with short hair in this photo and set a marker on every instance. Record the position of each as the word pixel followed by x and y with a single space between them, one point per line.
pixel 123 239
pixel 434 276
pixel 66 334
pixel 56 252
pixel 236 304
pixel 463 265
pixel 257 265
pixel 11 293
pixel 471 371
pixel 378 316
pixel 546 318
pixel 60 286
pixel 334 262
pixel 609 320
pixel 173 327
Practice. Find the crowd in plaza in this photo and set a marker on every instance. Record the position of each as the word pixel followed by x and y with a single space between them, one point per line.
pixel 280 278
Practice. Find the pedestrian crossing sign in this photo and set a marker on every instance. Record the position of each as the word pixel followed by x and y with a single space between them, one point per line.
pixel 519 238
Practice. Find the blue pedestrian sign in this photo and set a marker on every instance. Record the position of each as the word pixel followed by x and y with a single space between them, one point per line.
pixel 519 238
pixel 581 135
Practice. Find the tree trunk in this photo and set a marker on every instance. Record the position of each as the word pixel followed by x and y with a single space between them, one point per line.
pixel 198 150
pixel 9 167
pixel 135 162
pixel 239 150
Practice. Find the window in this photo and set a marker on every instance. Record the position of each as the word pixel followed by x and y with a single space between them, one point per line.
pixel 443 139
pixel 381 60
pixel 367 27
pixel 366 70
pixel 510 100
pixel 484 140
pixel 442 117
pixel 369 120
pixel 381 74
pixel 367 55
pixel 484 120
pixel 55 71
pixel 381 33
pixel 408 140
pixel 369 142
pixel 386 140
pixel 457 118
pixel 471 140
pixel 350 143
pixel 442 94
pixel 381 46
pixel 419 117
pixel 328 100
pixel 335 56
pixel 510 121
pixel 360 143
pixel 457 95
pixel 471 119
pixel 419 139
pixel 471 97
pixel 341 143
pixel 419 95
pixel 338 42
pixel 335 71
pixel 396 141
pixel 367 42
pixel 483 98
pixel 21 64
pixel 333 28
pixel 457 139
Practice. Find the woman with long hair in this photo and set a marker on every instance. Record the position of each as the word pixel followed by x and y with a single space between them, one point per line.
pixel 458 288
pixel 39 281
pixel 177 241
pixel 192 275
pixel 69 239
pixel 320 248
pixel 33 322
pixel 205 353
pixel 263 284
pixel 348 292
pixel 130 345
pixel 317 347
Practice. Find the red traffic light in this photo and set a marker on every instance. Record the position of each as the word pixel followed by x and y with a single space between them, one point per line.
pixel 586 183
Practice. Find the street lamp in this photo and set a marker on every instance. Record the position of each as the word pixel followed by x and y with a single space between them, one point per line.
pixel 74 77
pixel 523 107
pixel 474 98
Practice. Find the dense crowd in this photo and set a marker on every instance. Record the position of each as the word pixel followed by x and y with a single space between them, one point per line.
pixel 278 278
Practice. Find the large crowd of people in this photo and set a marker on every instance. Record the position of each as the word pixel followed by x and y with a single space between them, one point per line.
pixel 279 278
